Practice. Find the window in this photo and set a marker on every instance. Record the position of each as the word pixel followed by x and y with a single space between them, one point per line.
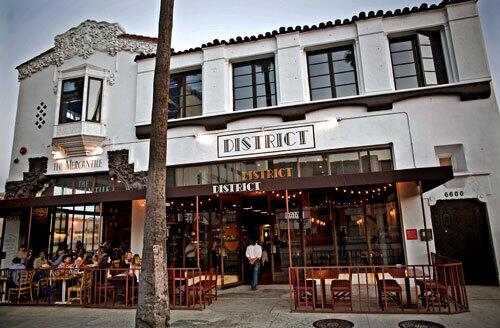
pixel 254 84
pixel 452 155
pixel 185 95
pixel 71 100
pixel 332 73
pixel 94 99
pixel 418 60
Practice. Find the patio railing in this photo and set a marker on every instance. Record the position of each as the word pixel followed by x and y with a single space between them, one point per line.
pixel 436 288
pixel 93 287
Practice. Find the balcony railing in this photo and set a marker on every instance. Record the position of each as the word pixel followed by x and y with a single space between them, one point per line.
pixel 435 288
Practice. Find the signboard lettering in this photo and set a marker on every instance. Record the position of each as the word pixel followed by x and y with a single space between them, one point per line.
pixel 235 187
pixel 69 164
pixel 266 174
pixel 411 234
pixel 268 141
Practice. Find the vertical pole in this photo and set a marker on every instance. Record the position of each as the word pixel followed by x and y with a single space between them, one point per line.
pixel 368 242
pixel 197 231
pixel 288 229
pixel 101 233
pixel 334 231
pixel 29 229
pixel 425 221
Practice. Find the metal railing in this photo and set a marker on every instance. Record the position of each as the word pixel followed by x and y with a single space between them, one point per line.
pixel 95 287
pixel 436 288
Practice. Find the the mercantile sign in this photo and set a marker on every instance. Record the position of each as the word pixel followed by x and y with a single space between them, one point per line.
pixel 84 164
pixel 264 141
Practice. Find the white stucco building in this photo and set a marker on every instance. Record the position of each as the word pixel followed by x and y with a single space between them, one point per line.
pixel 355 116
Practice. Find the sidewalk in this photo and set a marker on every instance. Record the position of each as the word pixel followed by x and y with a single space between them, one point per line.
pixel 239 307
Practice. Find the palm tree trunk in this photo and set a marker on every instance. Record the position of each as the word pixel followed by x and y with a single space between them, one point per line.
pixel 153 306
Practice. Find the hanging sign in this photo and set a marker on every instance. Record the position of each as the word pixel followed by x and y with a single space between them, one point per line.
pixel 266 141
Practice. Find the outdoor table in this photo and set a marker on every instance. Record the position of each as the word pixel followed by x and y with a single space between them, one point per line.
pixel 4 280
pixel 406 273
pixel 64 279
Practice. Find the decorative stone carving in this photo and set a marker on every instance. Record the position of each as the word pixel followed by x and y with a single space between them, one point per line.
pixel 33 180
pixel 120 169
pixel 84 40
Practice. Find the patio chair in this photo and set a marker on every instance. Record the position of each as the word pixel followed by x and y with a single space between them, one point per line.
pixel 206 287
pixel 304 291
pixel 434 290
pixel 25 285
pixel 389 291
pixel 341 290
pixel 104 288
pixel 83 290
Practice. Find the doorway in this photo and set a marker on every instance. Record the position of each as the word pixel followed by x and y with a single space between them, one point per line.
pixel 462 233
pixel 255 220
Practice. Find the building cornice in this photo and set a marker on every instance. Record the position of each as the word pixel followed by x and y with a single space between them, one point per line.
pixel 83 41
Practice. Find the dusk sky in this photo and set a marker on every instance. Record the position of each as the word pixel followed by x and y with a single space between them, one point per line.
pixel 28 28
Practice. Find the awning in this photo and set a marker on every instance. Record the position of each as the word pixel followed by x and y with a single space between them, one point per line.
pixel 430 177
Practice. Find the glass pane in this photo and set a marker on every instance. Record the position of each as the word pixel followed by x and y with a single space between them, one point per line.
pixel 342 66
pixel 323 93
pixel 193 100
pixel 71 100
pixel 400 46
pixel 243 104
pixel 319 69
pixel 318 58
pixel 380 160
pixel 405 70
pixel 406 83
pixel 193 111
pixel 264 77
pixel 344 78
pixel 346 90
pixel 241 81
pixel 266 89
pixel 266 101
pixel 342 55
pixel 84 185
pixel 313 165
pixel 430 78
pixel 402 57
pixel 320 82
pixel 194 89
pixel 102 184
pixel 264 66
pixel 193 77
pixel 365 161
pixel 241 70
pixel 346 163
pixel 287 165
pixel 196 175
pixel 94 100
pixel 245 92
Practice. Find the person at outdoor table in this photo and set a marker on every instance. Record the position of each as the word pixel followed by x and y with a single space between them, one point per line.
pixel 86 261
pixel 15 270
pixel 30 258
pixel 41 261
pixel 22 253
pixel 254 254
pixel 95 261
pixel 61 253
pixel 127 259
pixel 135 266
pixel 101 252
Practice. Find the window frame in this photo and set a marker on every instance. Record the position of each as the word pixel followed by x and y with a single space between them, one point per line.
pixel 331 71
pixel 417 54
pixel 253 74
pixel 62 118
pixel 100 98
pixel 184 75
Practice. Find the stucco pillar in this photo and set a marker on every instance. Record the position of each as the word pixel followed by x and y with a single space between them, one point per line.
pixel 217 95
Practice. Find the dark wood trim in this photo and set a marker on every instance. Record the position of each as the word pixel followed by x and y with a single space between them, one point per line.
pixel 466 92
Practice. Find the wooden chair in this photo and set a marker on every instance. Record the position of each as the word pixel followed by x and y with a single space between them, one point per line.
pixel 434 290
pixel 341 290
pixel 389 291
pixel 206 287
pixel 304 291
pixel 83 290
pixel 25 285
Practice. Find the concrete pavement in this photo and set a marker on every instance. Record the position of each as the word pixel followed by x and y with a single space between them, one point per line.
pixel 238 307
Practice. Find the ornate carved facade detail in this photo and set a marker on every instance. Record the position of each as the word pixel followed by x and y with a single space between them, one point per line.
pixel 33 180
pixel 84 40
pixel 120 169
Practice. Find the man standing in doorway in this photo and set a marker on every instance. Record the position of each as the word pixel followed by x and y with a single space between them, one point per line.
pixel 254 253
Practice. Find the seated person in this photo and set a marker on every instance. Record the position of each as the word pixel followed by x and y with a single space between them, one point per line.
pixel 15 270
pixel 41 261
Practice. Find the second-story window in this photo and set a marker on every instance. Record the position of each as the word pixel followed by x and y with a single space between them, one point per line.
pixel 71 100
pixel 254 84
pixel 332 73
pixel 418 60
pixel 185 95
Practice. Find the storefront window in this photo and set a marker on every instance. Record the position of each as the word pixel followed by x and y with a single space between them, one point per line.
pixel 345 163
pixel 85 184
pixel 196 175
pixel 313 165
